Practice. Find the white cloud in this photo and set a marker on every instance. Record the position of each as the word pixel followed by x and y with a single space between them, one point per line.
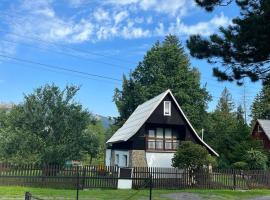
pixel 130 32
pixel 101 15
pixel 119 17
pixel 42 22
pixel 170 7
pixel 203 28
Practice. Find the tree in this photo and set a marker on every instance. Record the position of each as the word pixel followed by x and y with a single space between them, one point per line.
pixel 260 108
pixel 228 133
pixel 190 156
pixel 91 143
pixel 256 159
pixel 165 66
pixel 225 103
pixel 47 127
pixel 241 47
pixel 94 142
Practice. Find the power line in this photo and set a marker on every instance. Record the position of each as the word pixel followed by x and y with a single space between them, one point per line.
pixel 61 45
pixel 60 68
pixel 83 51
pixel 60 72
pixel 59 52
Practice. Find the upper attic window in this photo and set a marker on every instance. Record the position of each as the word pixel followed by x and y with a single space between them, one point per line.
pixel 167 108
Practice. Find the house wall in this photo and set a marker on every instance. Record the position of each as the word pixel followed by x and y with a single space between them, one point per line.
pixel 158 115
pixel 260 135
pixel 108 157
pixel 157 119
pixel 158 159
pixel 137 158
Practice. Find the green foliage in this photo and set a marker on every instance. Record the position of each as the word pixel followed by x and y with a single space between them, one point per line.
pixel 239 48
pixel 261 105
pixel 256 159
pixel 47 127
pixel 240 165
pixel 165 66
pixel 94 142
pixel 228 133
pixel 190 156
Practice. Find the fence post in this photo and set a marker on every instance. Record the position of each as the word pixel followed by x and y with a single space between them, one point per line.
pixel 234 180
pixel 84 174
pixel 27 196
pixel 150 195
pixel 78 183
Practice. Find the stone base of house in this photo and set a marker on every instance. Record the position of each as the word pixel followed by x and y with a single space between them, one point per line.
pixel 137 158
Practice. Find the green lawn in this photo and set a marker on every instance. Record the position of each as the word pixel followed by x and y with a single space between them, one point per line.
pixel 98 194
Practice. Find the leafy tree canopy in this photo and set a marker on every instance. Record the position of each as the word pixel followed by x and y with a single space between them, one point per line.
pixel 165 66
pixel 190 156
pixel 47 127
pixel 241 47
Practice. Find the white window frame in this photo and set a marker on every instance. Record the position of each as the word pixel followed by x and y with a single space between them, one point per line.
pixel 164 108
pixel 125 158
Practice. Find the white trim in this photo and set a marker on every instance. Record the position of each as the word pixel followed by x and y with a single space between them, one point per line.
pixel 164 108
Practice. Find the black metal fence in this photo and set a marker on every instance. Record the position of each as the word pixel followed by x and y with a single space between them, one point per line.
pixel 107 177
pixel 172 178
pixel 55 176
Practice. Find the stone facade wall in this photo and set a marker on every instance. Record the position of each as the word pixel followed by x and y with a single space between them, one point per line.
pixel 137 158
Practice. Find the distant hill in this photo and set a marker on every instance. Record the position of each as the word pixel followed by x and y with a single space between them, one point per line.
pixel 106 121
pixel 6 106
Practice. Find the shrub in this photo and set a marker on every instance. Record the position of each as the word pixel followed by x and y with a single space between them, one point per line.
pixel 190 156
pixel 256 159
pixel 240 165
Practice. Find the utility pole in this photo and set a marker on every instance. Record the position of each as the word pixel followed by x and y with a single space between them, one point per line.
pixel 245 105
pixel 202 133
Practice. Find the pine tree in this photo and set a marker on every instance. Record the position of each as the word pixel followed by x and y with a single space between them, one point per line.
pixel 260 108
pixel 225 103
pixel 165 66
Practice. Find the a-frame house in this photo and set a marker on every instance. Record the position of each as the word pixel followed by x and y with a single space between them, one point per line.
pixel 151 135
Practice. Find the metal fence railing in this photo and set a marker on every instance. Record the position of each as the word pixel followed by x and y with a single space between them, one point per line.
pixel 49 176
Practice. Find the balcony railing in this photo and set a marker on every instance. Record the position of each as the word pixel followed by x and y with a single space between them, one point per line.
pixel 161 144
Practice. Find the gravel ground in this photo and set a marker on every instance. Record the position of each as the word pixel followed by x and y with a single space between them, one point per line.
pixel 261 198
pixel 190 196
pixel 182 196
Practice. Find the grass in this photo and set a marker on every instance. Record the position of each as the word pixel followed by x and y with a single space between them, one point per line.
pixel 100 194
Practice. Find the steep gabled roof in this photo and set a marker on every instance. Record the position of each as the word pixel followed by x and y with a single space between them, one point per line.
pixel 265 125
pixel 140 116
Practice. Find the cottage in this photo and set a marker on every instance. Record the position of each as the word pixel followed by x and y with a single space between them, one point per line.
pixel 261 131
pixel 151 135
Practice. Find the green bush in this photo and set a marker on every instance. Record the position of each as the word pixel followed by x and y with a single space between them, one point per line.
pixel 240 165
pixel 191 156
pixel 256 160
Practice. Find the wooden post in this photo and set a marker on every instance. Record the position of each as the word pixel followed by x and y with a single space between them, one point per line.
pixel 234 180
pixel 27 196
pixel 78 183
pixel 150 195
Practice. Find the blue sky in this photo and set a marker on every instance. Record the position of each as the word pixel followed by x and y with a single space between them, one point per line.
pixel 106 38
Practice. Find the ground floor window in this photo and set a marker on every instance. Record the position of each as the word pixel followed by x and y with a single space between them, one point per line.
pixel 121 159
